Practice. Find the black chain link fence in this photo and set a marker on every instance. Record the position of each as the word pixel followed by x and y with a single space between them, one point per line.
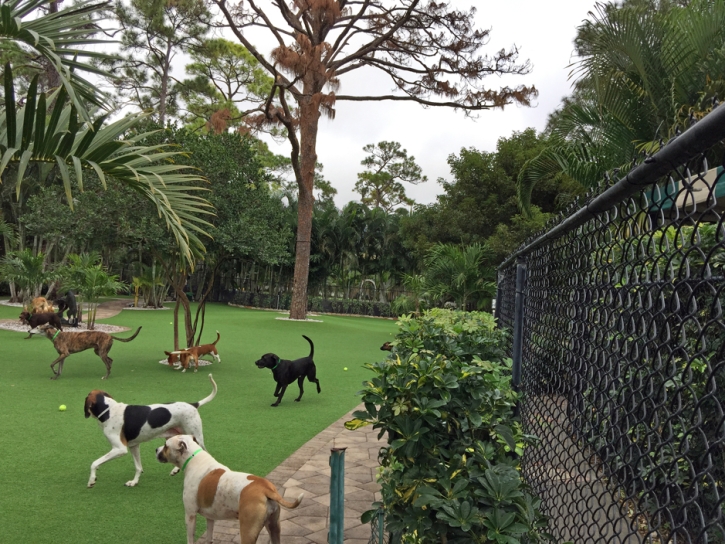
pixel 622 352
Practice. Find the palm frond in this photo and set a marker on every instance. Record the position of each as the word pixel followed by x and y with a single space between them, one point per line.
pixel 57 138
pixel 62 38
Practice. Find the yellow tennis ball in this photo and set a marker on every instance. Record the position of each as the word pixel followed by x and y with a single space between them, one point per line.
pixel 61 407
pixel 345 368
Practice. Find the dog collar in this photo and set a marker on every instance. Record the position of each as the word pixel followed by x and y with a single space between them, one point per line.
pixel 56 334
pixel 190 458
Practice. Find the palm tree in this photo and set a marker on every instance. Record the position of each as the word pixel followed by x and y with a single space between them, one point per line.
pixel 55 136
pixel 9 236
pixel 460 273
pixel 85 274
pixel 643 70
pixel 98 283
pixel 27 271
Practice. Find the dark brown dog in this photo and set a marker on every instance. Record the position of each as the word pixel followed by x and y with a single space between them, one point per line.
pixel 387 346
pixel 67 343
pixel 35 320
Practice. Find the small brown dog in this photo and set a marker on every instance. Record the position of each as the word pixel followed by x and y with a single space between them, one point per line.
pixel 182 357
pixel 35 320
pixel 67 343
pixel 42 305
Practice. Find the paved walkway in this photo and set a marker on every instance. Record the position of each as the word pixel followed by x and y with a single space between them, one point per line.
pixel 308 470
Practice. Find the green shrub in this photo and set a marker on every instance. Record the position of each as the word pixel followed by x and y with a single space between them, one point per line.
pixel 450 472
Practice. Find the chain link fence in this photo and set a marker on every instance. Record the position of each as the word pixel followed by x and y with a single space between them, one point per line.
pixel 621 347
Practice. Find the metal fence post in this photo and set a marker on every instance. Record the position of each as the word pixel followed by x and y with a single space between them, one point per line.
pixel 518 346
pixel 337 496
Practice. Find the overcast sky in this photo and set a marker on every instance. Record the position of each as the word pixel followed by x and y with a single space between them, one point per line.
pixel 544 33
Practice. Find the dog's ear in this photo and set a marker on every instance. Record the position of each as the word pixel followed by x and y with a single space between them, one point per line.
pixel 88 404
pixel 182 446
pixel 167 353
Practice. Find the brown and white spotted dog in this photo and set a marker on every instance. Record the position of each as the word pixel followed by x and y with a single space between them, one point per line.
pixel 67 343
pixel 127 425
pixel 216 492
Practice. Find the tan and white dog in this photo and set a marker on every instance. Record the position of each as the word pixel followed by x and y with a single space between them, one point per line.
pixel 216 492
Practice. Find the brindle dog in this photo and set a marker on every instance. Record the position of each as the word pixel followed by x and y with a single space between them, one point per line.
pixel 67 343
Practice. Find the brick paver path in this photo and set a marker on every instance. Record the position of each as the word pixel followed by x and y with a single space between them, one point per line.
pixel 308 470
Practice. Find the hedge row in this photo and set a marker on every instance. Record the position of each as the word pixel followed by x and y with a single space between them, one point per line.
pixel 314 304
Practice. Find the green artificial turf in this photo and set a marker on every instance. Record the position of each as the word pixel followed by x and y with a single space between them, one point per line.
pixel 46 453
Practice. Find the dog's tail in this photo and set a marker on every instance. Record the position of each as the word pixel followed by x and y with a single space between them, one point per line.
pixel 217 339
pixel 312 347
pixel 273 495
pixel 202 402
pixel 127 339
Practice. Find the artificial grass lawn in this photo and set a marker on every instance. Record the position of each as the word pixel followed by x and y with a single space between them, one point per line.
pixel 46 454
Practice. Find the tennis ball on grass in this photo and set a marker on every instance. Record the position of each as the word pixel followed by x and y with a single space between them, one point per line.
pixel 61 407
pixel 345 368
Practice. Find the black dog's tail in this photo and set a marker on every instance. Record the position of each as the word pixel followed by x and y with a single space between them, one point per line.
pixel 312 347
pixel 127 339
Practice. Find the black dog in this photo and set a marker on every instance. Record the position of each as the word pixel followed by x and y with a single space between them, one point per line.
pixel 68 303
pixel 35 320
pixel 285 372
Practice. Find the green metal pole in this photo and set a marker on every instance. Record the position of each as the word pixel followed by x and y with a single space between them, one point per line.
pixel 337 496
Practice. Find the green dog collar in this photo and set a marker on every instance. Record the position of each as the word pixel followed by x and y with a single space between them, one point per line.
pixel 54 336
pixel 190 458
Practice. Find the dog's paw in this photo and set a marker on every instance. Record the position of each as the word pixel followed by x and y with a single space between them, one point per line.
pixel 175 471
pixel 131 483
pixel 275 404
pixel 297 400
pixel 91 483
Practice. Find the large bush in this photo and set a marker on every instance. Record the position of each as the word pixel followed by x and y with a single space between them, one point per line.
pixel 444 396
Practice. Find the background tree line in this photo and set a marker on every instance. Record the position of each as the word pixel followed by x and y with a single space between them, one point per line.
pixel 206 120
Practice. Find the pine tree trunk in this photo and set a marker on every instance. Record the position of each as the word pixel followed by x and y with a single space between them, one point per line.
pixel 309 122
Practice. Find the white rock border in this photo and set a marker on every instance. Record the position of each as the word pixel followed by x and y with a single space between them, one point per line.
pixel 202 362
pixel 11 325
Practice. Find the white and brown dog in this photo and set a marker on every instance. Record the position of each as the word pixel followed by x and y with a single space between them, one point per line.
pixel 127 425
pixel 216 492
pixel 184 356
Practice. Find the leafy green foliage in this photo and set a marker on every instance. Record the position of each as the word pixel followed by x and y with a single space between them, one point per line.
pixel 643 69
pixel 444 397
pixel 463 274
pixel 481 196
